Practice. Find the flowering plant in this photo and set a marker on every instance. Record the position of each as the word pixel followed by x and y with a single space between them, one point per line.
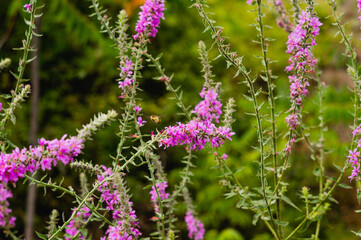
pixel 208 125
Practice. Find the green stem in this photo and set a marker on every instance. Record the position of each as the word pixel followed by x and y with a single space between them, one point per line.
pixel 24 60
pixel 318 205
pixel 168 85
pixel 233 60
pixel 270 87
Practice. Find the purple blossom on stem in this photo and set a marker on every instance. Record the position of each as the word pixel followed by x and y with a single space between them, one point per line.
pixel 14 165
pixel 353 156
pixel 300 41
pixel 126 74
pixel 249 2
pixel 73 228
pixel 140 122
pixel 297 89
pixel 292 120
pixel 210 108
pixel 161 186
pixel 1 106
pixel 114 194
pixel 195 227
pixel 137 109
pixel 149 18
pixel 5 219
pixel 283 20
pixel 28 7
pixel 357 130
pixel 201 130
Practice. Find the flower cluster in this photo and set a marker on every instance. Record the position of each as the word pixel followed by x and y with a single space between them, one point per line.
pixel 201 130
pixel 14 165
pixel 5 219
pixel 354 156
pixel 299 45
pixel 297 89
pixel 149 18
pixel 161 186
pixel 195 227
pixel 1 106
pixel 73 228
pixel 300 42
pixel 126 75
pixel 114 194
pixel 283 20
pixel 210 108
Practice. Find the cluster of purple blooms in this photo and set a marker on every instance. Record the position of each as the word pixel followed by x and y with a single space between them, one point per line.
pixel 195 227
pixel 299 45
pixel 201 130
pixel 354 156
pixel 300 42
pixel 161 186
pixel 114 194
pixel 14 165
pixel 149 19
pixel 126 74
pixel 5 219
pixel 73 228
pixel 283 20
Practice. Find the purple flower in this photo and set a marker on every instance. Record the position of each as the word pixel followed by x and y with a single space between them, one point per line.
pixel 5 219
pixel 201 130
pixel 210 108
pixel 149 19
pixel 357 130
pixel 1 106
pixel 74 225
pixel 292 120
pixel 300 41
pixel 249 2
pixel 195 227
pixel 353 156
pixel 28 7
pixel 114 194
pixel 161 186
pixel 355 173
pixel 137 109
pixel 14 165
pixel 140 121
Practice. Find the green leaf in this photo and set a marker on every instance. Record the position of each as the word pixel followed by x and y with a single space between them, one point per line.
pixel 345 186
pixel 281 223
pixel 40 235
pixel 289 202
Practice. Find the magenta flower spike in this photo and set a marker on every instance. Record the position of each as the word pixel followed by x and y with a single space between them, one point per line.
pixel 195 227
pixel 149 19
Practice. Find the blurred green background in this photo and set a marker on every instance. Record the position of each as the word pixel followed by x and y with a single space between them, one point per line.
pixel 78 68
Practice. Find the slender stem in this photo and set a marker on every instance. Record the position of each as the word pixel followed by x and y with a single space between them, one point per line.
pixel 233 60
pixel 168 85
pixel 270 87
pixel 154 183
pixel 49 185
pixel 80 205
pixel 319 204
pixel 24 60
